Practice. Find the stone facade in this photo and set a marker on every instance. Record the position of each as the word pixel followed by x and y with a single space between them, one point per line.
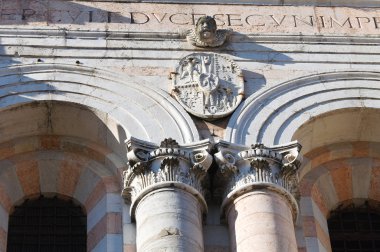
pixel 241 132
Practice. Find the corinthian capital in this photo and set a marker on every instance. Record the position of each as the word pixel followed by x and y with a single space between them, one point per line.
pixel 244 168
pixel 169 164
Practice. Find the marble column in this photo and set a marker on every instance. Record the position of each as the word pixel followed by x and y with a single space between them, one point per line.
pixel 163 185
pixel 259 186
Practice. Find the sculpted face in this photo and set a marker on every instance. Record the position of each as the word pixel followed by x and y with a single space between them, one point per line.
pixel 206 28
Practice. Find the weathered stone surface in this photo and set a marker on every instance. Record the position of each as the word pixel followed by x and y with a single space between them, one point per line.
pixel 177 220
pixel 262 221
pixel 164 185
pixel 206 34
pixel 110 61
pixel 208 85
pixel 168 17
pixel 259 195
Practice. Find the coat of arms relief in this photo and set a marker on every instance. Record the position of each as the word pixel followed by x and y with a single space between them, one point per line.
pixel 208 85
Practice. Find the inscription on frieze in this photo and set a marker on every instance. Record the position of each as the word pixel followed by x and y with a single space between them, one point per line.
pixel 102 15
pixel 208 85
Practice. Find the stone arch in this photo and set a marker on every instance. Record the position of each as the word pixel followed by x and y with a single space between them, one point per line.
pixel 307 109
pixel 341 163
pixel 62 132
pixel 273 115
pixel 60 148
pixel 129 100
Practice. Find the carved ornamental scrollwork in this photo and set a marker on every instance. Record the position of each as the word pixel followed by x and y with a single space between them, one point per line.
pixel 242 169
pixel 208 85
pixel 169 164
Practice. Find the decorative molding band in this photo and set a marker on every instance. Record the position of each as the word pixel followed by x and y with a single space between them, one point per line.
pixel 168 165
pixel 130 101
pixel 273 115
pixel 243 169
pixel 16 32
pixel 332 3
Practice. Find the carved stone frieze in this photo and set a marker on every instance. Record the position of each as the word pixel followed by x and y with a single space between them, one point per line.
pixel 206 34
pixel 242 169
pixel 169 164
pixel 208 85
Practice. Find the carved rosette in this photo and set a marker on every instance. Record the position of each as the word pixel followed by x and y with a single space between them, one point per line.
pixel 152 167
pixel 208 85
pixel 243 169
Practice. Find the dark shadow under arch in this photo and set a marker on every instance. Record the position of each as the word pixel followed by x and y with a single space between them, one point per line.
pixel 47 225
pixel 355 228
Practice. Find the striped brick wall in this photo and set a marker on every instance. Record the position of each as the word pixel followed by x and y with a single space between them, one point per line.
pixel 332 175
pixel 68 167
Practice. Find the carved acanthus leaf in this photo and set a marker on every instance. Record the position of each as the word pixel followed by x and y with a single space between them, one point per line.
pixel 259 163
pixel 169 143
pixel 151 165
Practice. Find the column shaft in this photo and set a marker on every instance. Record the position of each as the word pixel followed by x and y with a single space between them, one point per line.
pixel 169 219
pixel 261 221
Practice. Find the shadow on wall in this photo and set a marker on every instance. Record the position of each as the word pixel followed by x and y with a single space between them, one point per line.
pixel 250 55
pixel 51 144
pixel 31 85
pixel 248 50
pixel 45 12
pixel 35 109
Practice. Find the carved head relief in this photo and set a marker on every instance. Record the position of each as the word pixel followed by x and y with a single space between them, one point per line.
pixel 206 33
pixel 206 29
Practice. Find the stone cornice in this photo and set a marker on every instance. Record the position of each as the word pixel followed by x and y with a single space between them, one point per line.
pixel 243 169
pixel 169 164
pixel 332 3
pixel 17 32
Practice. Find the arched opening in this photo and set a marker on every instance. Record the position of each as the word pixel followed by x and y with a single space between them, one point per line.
pixel 355 228
pixel 59 148
pixel 47 225
pixel 341 163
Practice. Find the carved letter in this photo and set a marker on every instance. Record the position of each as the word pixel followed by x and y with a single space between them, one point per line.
pixel 27 13
pixel 311 23
pixel 367 20
pixel 332 20
pixel 159 19
pixel 322 21
pixel 75 17
pixel 251 16
pixel 90 16
pixel 377 22
pixel 176 22
pixel 196 15
pixel 139 18
pixel 275 20
pixel 229 16
pixel 218 20
pixel 110 15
